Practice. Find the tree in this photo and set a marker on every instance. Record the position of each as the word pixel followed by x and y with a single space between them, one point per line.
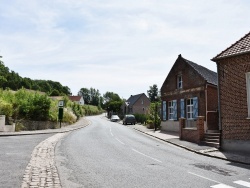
pixel 114 106
pixel 94 96
pixel 153 93
pixel 110 96
pixel 85 93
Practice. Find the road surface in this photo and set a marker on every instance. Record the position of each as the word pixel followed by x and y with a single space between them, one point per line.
pixel 109 154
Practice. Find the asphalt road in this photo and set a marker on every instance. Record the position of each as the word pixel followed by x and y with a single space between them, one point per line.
pixel 108 154
pixel 15 154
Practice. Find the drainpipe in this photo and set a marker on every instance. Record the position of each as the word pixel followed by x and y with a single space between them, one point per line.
pixel 206 107
pixel 219 108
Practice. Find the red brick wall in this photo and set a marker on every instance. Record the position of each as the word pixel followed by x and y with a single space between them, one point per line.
pixel 233 97
pixel 138 106
pixel 195 135
pixel 191 81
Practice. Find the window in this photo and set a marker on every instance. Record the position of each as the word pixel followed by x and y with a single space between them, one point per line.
pixel 248 92
pixel 179 82
pixel 164 109
pixel 172 110
pixel 192 108
pixel 142 101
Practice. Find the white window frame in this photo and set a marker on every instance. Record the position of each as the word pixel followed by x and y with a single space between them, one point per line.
pixel 170 110
pixel 248 92
pixel 179 82
pixel 190 108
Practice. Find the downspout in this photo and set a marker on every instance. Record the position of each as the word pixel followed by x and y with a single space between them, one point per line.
pixel 206 108
pixel 219 108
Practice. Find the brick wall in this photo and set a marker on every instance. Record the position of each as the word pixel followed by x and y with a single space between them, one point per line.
pixel 188 73
pixel 140 108
pixel 196 134
pixel 193 86
pixel 233 97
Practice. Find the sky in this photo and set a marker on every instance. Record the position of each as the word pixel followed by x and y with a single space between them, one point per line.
pixel 120 46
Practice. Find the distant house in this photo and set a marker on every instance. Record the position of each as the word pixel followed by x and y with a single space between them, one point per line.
pixel 136 104
pixel 189 91
pixel 77 99
pixel 234 95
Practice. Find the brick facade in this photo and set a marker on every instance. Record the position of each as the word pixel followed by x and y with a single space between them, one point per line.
pixel 141 108
pixel 195 134
pixel 233 66
pixel 136 104
pixel 233 96
pixel 194 85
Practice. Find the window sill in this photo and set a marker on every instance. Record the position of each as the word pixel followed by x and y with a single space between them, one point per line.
pixel 190 128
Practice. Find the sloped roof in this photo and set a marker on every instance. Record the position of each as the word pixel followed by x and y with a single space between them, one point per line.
pixel 210 76
pixel 75 98
pixel 240 47
pixel 133 98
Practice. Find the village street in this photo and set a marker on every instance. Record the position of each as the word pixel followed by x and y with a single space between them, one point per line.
pixel 109 154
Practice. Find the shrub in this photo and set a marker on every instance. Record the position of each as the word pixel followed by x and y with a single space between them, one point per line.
pixel 141 118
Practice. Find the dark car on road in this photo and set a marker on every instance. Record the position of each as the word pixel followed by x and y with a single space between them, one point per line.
pixel 129 119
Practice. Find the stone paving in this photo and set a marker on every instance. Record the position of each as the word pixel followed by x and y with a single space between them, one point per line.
pixel 41 171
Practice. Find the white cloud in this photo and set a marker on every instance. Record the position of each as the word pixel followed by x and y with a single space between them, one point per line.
pixel 118 46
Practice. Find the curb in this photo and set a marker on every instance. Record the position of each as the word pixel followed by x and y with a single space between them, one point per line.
pixel 51 132
pixel 192 150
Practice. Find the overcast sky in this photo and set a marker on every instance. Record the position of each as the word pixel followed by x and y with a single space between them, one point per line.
pixel 121 46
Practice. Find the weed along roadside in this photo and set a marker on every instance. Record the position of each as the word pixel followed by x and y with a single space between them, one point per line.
pixel 27 110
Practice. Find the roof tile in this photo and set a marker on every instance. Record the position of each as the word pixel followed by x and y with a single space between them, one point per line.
pixel 210 76
pixel 239 47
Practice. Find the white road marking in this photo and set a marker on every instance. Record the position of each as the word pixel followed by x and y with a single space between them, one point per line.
pixel 243 183
pixel 119 141
pixel 111 131
pixel 204 177
pixel 221 186
pixel 147 156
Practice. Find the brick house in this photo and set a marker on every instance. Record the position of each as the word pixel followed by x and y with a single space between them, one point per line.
pixel 189 91
pixel 136 104
pixel 233 66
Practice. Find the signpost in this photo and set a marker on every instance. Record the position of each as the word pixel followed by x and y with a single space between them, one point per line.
pixel 60 111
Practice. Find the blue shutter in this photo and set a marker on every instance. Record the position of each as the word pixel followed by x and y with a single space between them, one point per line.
pixel 164 109
pixel 182 105
pixel 175 109
pixel 195 105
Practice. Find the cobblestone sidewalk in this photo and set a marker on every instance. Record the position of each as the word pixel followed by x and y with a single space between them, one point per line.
pixel 41 171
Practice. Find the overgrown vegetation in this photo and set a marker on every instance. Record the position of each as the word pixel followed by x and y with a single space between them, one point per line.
pixel 29 105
